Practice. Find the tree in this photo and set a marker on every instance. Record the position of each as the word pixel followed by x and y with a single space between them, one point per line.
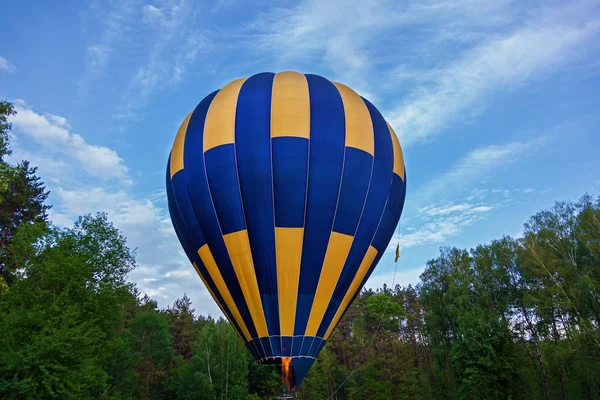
pixel 6 110
pixel 60 321
pixel 263 380
pixel 218 368
pixel 22 197
pixel 149 340
pixel 560 262
pixel 181 325
pixel 467 298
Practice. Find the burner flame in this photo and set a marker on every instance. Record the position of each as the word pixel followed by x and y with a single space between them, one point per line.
pixel 286 372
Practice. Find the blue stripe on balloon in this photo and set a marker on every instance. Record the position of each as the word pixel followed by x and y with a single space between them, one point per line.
pixel 275 342
pixel 182 203
pixel 253 154
pixel 252 349
pixel 306 344
pixel 321 345
pixel 197 184
pixel 297 345
pixel 290 168
pixel 286 346
pixel 379 188
pixel 260 351
pixel 326 158
pixel 265 344
pixel 174 213
pixel 391 215
pixel 224 188
pixel 400 207
pixel 315 348
pixel 357 174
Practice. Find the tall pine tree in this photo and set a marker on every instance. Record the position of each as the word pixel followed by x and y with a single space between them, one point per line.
pixel 22 197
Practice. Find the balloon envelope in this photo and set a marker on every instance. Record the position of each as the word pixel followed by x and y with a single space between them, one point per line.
pixel 285 190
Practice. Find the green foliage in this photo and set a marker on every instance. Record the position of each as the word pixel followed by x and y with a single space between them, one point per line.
pixel 181 325
pixel 7 109
pixel 149 340
pixel 382 311
pixel 22 198
pixel 60 319
pixel 219 367
pixel 263 380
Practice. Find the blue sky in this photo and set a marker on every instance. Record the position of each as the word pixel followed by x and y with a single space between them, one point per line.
pixel 495 104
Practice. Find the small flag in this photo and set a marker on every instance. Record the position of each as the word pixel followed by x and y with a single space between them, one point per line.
pixel 397 252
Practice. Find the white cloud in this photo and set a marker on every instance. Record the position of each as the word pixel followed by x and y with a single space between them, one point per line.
pixel 453 208
pixel 185 273
pixel 115 22
pixel 435 223
pixel 52 133
pixel 151 14
pixel 517 235
pixel 314 31
pixel 58 170
pixel 482 209
pixel 431 218
pixel 7 66
pixel 358 39
pixel 426 223
pixel 174 44
pixel 58 120
pixel 550 42
pixel 443 210
pixel 433 232
pixel 475 166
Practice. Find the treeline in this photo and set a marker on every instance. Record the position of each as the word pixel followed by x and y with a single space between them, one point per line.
pixel 512 319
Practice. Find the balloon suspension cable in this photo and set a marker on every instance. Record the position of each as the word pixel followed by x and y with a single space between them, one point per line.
pixel 374 334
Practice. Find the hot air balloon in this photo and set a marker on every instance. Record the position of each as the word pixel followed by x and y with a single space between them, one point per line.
pixel 285 190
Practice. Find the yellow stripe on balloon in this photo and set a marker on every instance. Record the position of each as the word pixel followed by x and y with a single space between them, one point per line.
pixel 335 258
pixel 359 126
pixel 211 266
pixel 290 105
pixel 289 254
pixel 215 299
pixel 354 286
pixel 177 150
pixel 238 247
pixel 398 156
pixel 219 126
